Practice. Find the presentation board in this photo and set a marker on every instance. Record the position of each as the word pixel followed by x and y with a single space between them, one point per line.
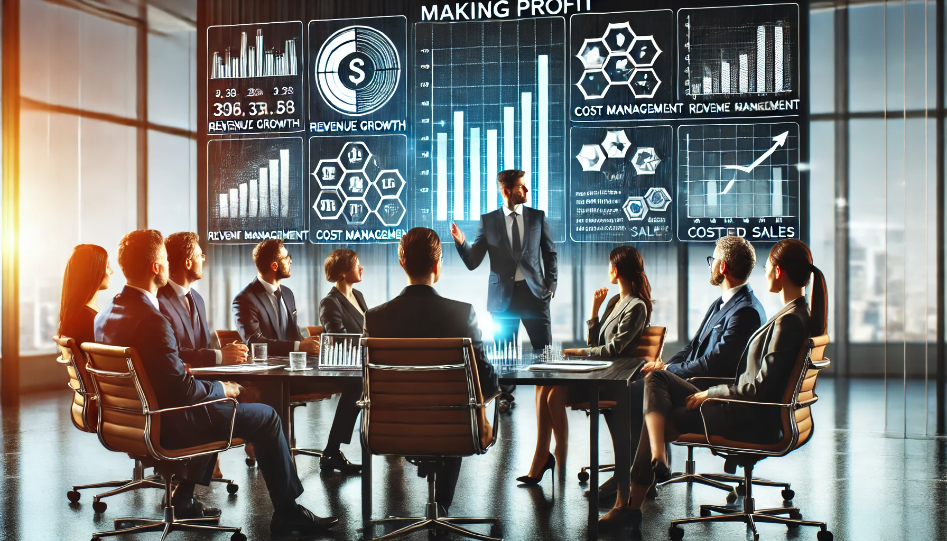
pixel 651 121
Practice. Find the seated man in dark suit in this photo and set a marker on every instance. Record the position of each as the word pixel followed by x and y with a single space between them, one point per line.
pixel 723 334
pixel 133 319
pixel 265 311
pixel 183 306
pixel 419 312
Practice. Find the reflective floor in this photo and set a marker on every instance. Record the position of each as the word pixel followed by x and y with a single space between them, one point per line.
pixel 864 484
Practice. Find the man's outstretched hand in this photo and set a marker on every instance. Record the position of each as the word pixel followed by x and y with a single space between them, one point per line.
pixel 458 235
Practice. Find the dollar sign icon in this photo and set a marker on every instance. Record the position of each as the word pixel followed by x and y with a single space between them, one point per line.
pixel 355 65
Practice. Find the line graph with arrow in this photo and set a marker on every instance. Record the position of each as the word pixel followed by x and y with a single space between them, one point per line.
pixel 738 173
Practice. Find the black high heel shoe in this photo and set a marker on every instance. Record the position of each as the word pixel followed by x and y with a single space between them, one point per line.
pixel 550 464
pixel 661 471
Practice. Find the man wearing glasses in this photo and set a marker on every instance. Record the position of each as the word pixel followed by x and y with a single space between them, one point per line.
pixel 183 306
pixel 265 311
pixel 729 323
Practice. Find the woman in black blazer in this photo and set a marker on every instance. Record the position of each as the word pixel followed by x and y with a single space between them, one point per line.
pixel 672 405
pixel 87 273
pixel 343 309
pixel 615 335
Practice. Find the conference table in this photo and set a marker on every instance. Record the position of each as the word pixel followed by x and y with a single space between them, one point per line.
pixel 615 378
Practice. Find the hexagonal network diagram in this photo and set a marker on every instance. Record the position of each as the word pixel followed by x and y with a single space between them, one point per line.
pixel 658 199
pixel 349 192
pixel 619 58
pixel 635 209
pixel 616 145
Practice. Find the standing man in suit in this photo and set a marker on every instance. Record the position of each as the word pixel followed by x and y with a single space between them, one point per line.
pixel 265 311
pixel 419 312
pixel 183 306
pixel 523 263
pixel 133 319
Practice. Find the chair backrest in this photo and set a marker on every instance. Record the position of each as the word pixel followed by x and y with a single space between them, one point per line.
pixel 227 337
pixel 315 330
pixel 651 344
pixel 84 409
pixel 422 398
pixel 801 389
pixel 125 398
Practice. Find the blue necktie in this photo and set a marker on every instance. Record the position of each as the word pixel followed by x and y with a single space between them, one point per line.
pixel 280 315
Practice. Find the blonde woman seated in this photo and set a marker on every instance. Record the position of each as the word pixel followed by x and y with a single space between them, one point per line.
pixel 672 405
pixel 616 334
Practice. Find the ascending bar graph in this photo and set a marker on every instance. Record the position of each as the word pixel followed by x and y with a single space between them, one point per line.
pixel 255 183
pixel 747 50
pixel 254 60
pixel 497 102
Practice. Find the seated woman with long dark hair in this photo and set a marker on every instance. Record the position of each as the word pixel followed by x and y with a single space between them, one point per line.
pixel 672 405
pixel 616 334
pixel 87 273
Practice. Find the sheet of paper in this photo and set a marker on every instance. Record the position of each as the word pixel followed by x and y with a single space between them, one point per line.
pixel 563 367
pixel 237 368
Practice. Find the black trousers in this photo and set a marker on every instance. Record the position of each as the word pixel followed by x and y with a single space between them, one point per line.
pixel 534 313
pixel 258 424
pixel 448 472
pixel 343 424
pixel 664 393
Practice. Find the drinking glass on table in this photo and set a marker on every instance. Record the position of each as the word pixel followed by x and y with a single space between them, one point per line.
pixel 297 360
pixel 259 353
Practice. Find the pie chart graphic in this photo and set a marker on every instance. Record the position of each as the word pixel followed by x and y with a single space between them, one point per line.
pixel 357 70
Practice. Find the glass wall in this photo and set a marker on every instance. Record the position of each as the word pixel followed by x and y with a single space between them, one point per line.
pixel 871 136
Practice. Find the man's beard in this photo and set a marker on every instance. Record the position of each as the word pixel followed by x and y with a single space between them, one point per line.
pixel 161 279
pixel 716 277
pixel 517 199
pixel 282 272
pixel 194 276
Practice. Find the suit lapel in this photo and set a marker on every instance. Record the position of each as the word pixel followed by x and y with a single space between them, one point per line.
pixel 346 305
pixel 202 319
pixel 527 222
pixel 172 297
pixel 615 312
pixel 263 298
pixel 500 224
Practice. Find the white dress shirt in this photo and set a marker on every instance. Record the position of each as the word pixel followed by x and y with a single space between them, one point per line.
pixel 730 293
pixel 151 298
pixel 510 215
pixel 271 294
pixel 182 292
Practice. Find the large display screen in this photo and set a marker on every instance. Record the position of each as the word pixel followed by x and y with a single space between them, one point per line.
pixel 675 121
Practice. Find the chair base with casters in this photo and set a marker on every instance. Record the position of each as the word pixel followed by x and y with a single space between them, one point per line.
pixel 749 514
pixel 138 480
pixel 169 523
pixel 720 480
pixel 433 522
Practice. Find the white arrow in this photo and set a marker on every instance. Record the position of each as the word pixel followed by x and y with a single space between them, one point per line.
pixel 780 141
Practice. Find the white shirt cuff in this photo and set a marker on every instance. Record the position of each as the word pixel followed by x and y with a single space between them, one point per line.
pixel 220 356
pixel 296 346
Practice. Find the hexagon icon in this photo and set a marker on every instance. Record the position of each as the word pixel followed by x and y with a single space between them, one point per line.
pixel 645 160
pixel 618 37
pixel 328 173
pixel 644 51
pixel 591 157
pixel 658 199
pixel 616 143
pixel 354 185
pixel 328 205
pixel 635 209
pixel 593 84
pixel 391 211
pixel 355 211
pixel 354 156
pixel 592 54
pixel 619 68
pixel 389 183
pixel 644 83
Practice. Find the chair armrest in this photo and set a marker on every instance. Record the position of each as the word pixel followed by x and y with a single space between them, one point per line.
pixel 233 416
pixel 729 400
pixel 491 399
pixel 820 365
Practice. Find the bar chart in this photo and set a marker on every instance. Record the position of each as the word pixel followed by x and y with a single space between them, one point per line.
pixel 255 184
pixel 496 101
pixel 739 171
pixel 748 50
pixel 255 60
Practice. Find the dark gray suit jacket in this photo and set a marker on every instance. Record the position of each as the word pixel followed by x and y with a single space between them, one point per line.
pixel 419 312
pixel 338 315
pixel 539 261
pixel 762 376
pixel 256 319
pixel 618 332
pixel 716 348
pixel 193 344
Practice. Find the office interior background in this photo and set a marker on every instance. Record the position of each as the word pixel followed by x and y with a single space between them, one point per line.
pixel 100 137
